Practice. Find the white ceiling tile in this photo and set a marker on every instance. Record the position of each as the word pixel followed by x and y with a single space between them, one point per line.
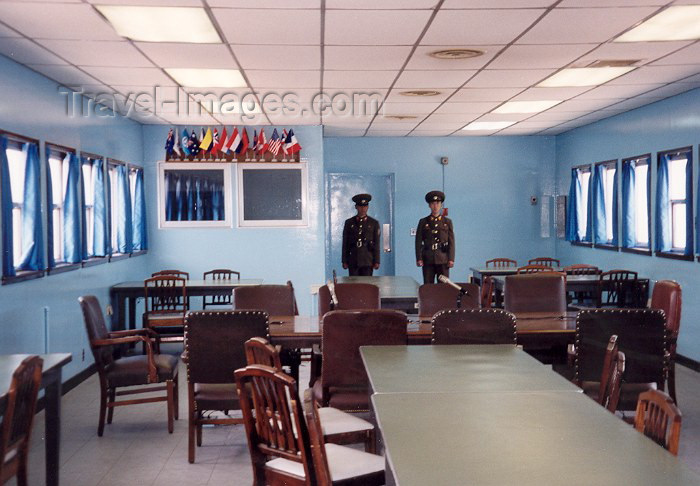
pixel 342 132
pixel 409 108
pixel 149 3
pixel 177 55
pixel 539 57
pixel 474 4
pixel 284 120
pixel 65 74
pixel 334 121
pixel 474 27
pixel 358 79
pixel 656 74
pixel 365 57
pixel 433 79
pixel 577 105
pixel 129 76
pixel 688 55
pixel 420 60
pixel 533 124
pixel 537 94
pixel 386 133
pixel 56 21
pixel 552 116
pixel 430 133
pixel 611 3
pixel 620 92
pixel 584 25
pixel 633 103
pixel 396 97
pixel 508 78
pixel 643 51
pixel 284 80
pixel 485 94
pixel 666 91
pixel 277 27
pixel 504 116
pixel 384 4
pixel 7 32
pixel 467 108
pixel 25 51
pixel 98 53
pixel 515 131
pixel 272 4
pixel 453 118
pixel 278 57
pixel 374 27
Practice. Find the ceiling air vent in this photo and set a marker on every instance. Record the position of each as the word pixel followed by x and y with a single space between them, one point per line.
pixel 420 92
pixel 401 117
pixel 456 53
pixel 613 63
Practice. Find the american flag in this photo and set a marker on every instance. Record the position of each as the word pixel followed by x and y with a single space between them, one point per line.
pixel 275 143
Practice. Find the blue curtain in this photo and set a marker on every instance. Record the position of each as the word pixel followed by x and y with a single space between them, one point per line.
pixel 629 230
pixel 663 209
pixel 615 237
pixel 139 214
pixel 206 200
pixel 198 200
pixel 191 210
pixel 572 208
pixel 49 211
pixel 170 198
pixel 588 233
pixel 8 266
pixel 125 234
pixel 181 191
pixel 83 209
pixel 688 204
pixel 697 220
pixel 32 230
pixel 217 209
pixel 598 192
pixel 100 242
pixel 71 212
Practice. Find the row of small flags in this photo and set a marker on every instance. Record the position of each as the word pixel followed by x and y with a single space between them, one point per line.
pixel 237 142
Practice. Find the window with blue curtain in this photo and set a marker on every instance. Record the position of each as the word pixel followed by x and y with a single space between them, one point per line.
pixel 94 208
pixel 604 204
pixel 674 209
pixel 578 212
pixel 138 210
pixel 63 215
pixel 120 213
pixel 636 184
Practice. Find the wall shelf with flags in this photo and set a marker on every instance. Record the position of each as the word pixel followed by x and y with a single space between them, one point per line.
pixel 220 145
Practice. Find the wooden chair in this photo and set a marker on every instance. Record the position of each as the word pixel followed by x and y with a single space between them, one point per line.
pixel 501 263
pixel 546 261
pixel 166 306
pixel 296 307
pixel 474 326
pixel 534 269
pixel 219 274
pixel 543 292
pixel 343 383
pixel 486 292
pixel 581 269
pixel 640 336
pixel 337 427
pixel 618 288
pixel 611 377
pixel 667 296
pixel 152 372
pixel 580 298
pixel 351 296
pixel 172 273
pixel 17 421
pixel 659 418
pixel 214 349
pixel 433 298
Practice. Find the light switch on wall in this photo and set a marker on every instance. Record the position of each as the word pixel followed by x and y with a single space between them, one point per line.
pixel 413 231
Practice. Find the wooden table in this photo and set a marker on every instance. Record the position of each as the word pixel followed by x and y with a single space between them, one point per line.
pixel 523 438
pixel 51 384
pixel 125 293
pixel 395 292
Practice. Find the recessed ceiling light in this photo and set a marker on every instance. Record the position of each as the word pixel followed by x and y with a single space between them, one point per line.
pixel 453 54
pixel 526 106
pixel 420 92
pixel 207 78
pixel 681 22
pixel 161 24
pixel 492 125
pixel 401 117
pixel 584 76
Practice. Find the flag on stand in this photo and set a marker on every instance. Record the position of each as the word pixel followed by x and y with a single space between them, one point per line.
pixel 194 143
pixel 177 149
pixel 170 143
pixel 219 146
pixel 243 147
pixel 185 142
pixel 292 142
pixel 275 143
pixel 233 142
pixel 262 142
pixel 255 141
pixel 283 144
pixel 207 139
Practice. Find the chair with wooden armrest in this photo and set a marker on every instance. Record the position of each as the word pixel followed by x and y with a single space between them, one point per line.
pixel 501 263
pixel 582 298
pixel 219 274
pixel 214 349
pixel 474 326
pixel 344 383
pixel 546 261
pixel 611 377
pixel 351 296
pixel 542 292
pixel 659 418
pixel 581 269
pixel 667 296
pixel 166 305
pixel 338 427
pixel 533 268
pixel 173 273
pixel 641 336
pixel 433 298
pixel 17 420
pixel 618 288
pixel 152 372
pixel 486 292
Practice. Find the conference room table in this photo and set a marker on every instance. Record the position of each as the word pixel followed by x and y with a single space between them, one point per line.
pixel 123 295
pixel 395 291
pixel 51 383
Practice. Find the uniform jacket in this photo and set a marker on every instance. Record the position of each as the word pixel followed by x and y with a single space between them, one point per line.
pixel 435 240
pixel 361 242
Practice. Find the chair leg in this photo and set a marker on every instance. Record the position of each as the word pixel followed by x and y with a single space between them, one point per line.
pixel 177 399
pixel 672 382
pixel 199 435
pixel 22 467
pixel 103 409
pixel 110 410
pixel 190 435
pixel 371 442
pixel 171 404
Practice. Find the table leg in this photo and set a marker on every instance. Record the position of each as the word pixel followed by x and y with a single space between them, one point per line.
pixel 52 397
pixel 132 313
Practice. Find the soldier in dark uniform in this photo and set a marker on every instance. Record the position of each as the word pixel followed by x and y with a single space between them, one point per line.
pixel 361 239
pixel 435 240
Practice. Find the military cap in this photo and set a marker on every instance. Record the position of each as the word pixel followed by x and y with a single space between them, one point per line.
pixel 361 199
pixel 435 196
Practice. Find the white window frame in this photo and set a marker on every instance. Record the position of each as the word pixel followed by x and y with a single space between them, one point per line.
pixel 641 200
pixel 585 174
pixel 17 169
pixel 88 203
pixel 58 156
pixel 677 204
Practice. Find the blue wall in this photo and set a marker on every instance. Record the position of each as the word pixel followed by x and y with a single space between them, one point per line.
pixel 488 184
pixel 664 125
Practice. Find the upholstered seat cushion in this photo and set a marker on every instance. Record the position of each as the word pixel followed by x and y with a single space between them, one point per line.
pixel 216 396
pixel 133 370
pixel 629 392
pixel 334 421
pixel 343 462
pixel 343 398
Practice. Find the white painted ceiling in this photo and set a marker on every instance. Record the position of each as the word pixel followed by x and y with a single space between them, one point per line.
pixel 299 48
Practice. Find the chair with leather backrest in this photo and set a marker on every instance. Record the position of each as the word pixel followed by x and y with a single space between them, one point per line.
pixel 659 418
pixel 640 336
pixel 618 288
pixel 166 305
pixel 667 296
pixel 486 292
pixel 534 269
pixel 501 263
pixel 542 292
pixel 546 261
pixel 152 372
pixel 474 326
pixel 337 427
pixel 344 383
pixel 351 296
pixel 611 377
pixel 214 347
pixel 219 274
pixel 296 307
pixel 433 298
pixel 17 420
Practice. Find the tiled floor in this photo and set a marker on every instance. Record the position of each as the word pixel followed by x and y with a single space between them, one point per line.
pixel 136 448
